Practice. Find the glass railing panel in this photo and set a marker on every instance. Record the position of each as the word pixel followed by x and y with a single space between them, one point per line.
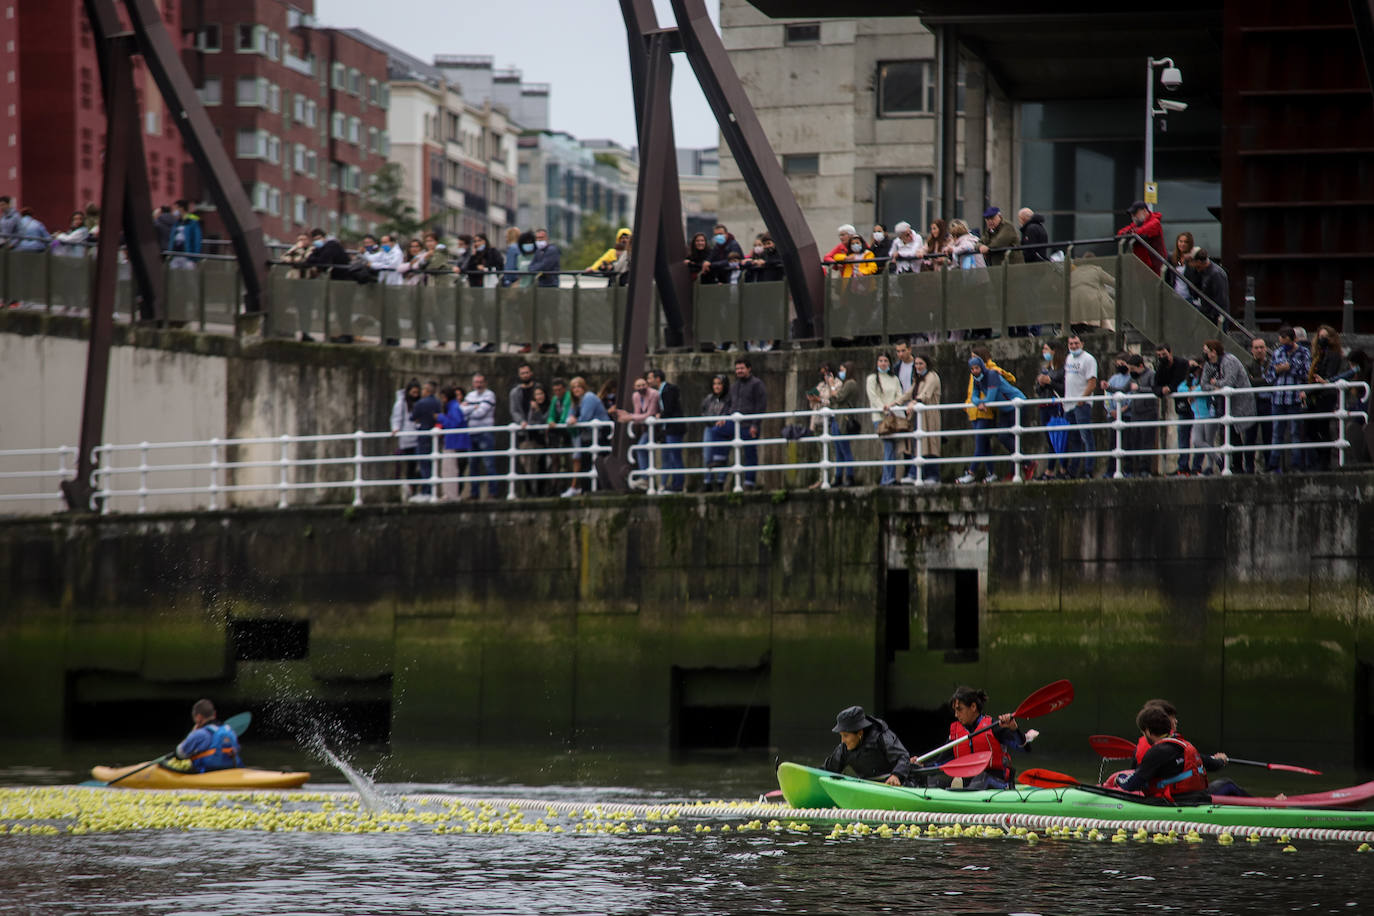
pixel 854 306
pixel 764 310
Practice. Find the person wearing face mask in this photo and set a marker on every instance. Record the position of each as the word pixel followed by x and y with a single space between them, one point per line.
pixel 483 260
pixel 547 259
pixel 856 262
pixel 327 256
pixel 1327 362
pixel 460 254
pixel 1203 436
pixel 186 236
pixel 993 397
pixel 925 391
pixel 1049 383
pixel 880 243
pixel 1117 383
pixel 603 264
pixel 518 255
pixel 764 263
pixel 846 232
pixel 846 397
pixel 1140 411
pixel 387 260
pixel 718 267
pixel 889 421
pixel 1080 383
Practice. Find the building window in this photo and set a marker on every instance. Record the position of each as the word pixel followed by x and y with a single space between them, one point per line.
pixel 385 143
pixel 273 149
pixel 273 98
pixel 312 164
pixel 906 87
pixel 252 39
pixel 372 139
pixel 298 107
pixel 312 113
pixel 906 197
pixel 798 165
pixel 274 201
pixel 802 33
pixel 338 76
pixel 372 91
pixel 209 40
pixel 355 81
pixel 384 96
pixel 337 125
pixel 250 91
pixel 355 127
pixel 298 209
pixel 210 92
pixel 251 144
pixel 152 123
pixel 298 157
pixel 272 45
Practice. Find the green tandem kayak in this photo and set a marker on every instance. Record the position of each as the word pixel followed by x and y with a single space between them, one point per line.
pixel 808 787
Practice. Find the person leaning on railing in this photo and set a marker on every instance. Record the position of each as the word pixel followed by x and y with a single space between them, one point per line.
pixel 1327 362
pixel 1049 383
pixel 884 391
pixel 716 404
pixel 846 424
pixel 925 390
pixel 1141 412
pixel 1224 370
pixel 1287 368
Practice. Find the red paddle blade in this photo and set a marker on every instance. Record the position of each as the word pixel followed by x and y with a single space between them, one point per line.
pixel 969 765
pixel 1045 700
pixel 1112 747
pixel 1290 768
pixel 1046 779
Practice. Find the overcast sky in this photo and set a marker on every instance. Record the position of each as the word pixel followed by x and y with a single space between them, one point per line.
pixel 578 46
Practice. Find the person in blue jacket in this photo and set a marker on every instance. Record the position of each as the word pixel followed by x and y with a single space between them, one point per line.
pixel 210 745
pixel 990 389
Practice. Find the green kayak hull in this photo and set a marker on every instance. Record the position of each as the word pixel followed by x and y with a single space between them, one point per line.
pixel 803 786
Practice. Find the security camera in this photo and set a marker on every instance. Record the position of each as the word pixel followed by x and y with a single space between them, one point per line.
pixel 1171 77
pixel 1171 105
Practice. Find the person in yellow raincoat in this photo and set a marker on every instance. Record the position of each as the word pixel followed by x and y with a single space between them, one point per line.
pixel 607 261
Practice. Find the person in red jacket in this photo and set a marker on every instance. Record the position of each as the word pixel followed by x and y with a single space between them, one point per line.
pixel 1148 225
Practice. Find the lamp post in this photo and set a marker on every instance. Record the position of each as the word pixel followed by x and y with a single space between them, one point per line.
pixel 1172 78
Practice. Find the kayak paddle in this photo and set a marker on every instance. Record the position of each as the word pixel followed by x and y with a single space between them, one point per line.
pixel 239 724
pixel 1113 748
pixel 970 765
pixel 1049 779
pixel 1286 767
pixel 1043 702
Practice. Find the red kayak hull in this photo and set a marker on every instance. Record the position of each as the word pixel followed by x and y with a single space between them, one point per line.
pixel 1349 797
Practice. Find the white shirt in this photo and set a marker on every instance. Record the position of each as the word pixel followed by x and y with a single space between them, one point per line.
pixel 386 264
pixel 906 374
pixel 901 250
pixel 1078 368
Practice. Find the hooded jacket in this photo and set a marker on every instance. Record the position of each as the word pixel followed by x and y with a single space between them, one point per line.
pixel 1152 231
pixel 607 260
pixel 990 387
pixel 979 412
pixel 719 260
pixel 1033 233
pixel 880 753
pixel 186 235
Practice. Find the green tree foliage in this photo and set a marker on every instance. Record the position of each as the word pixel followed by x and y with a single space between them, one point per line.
pixel 385 197
pixel 595 237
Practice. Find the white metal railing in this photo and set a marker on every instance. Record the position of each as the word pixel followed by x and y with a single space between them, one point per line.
pixel 215 473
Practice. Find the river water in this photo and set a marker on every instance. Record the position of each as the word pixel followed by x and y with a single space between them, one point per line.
pixel 217 871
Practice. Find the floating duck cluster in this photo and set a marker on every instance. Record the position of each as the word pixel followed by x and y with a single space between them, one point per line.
pixel 75 811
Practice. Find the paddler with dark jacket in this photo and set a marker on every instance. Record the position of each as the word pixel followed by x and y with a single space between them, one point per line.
pixel 869 748
pixel 1172 768
pixel 1216 786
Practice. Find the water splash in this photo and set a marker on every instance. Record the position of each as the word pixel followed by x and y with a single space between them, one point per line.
pixel 372 798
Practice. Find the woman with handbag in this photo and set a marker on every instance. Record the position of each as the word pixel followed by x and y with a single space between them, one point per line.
pixel 884 391
pixel 845 424
pixel 924 391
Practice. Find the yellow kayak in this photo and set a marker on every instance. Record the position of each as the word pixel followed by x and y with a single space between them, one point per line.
pixel 160 777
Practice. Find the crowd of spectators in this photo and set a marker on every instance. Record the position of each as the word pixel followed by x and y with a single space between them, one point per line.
pixel 1170 402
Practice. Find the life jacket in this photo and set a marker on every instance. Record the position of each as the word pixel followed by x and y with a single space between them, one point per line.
pixel 223 752
pixel 1141 747
pixel 997 763
pixel 1193 778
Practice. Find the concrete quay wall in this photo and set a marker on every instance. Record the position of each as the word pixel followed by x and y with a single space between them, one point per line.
pixel 716 619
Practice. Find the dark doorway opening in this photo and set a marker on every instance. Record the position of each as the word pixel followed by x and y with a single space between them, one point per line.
pixel 720 708
pixel 897 602
pixel 952 613
pixel 269 640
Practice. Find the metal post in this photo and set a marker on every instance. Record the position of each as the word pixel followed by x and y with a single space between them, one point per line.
pixel 1250 302
pixel 738 467
pixel 1226 429
pixel 357 467
pixel 284 463
pixel 214 473
pixel 200 293
pixel 918 438
pixel 1347 309
pixel 510 460
pixel 1341 414
pixel 142 477
pixel 1016 428
pixel 1149 121
pixel 1118 453
pixel 826 464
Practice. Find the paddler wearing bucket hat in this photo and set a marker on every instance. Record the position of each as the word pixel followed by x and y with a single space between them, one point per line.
pixel 869 748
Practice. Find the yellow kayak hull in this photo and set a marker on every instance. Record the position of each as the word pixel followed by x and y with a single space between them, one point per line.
pixel 159 777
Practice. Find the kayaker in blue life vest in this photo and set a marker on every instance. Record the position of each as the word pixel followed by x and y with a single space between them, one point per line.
pixel 1216 786
pixel 869 748
pixel 208 746
pixel 1172 768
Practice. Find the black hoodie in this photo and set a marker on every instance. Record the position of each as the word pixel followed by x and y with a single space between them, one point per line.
pixel 1033 233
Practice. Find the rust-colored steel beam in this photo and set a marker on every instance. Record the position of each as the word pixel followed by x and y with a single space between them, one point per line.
pixel 162 56
pixel 121 121
pixel 757 164
pixel 670 268
pixel 145 260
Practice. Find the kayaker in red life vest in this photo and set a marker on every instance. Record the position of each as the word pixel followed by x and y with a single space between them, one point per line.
pixel 1216 786
pixel 208 746
pixel 1172 768
pixel 868 747
pixel 1003 737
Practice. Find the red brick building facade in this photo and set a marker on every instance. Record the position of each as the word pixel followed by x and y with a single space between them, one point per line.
pixel 54 97
pixel 302 111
